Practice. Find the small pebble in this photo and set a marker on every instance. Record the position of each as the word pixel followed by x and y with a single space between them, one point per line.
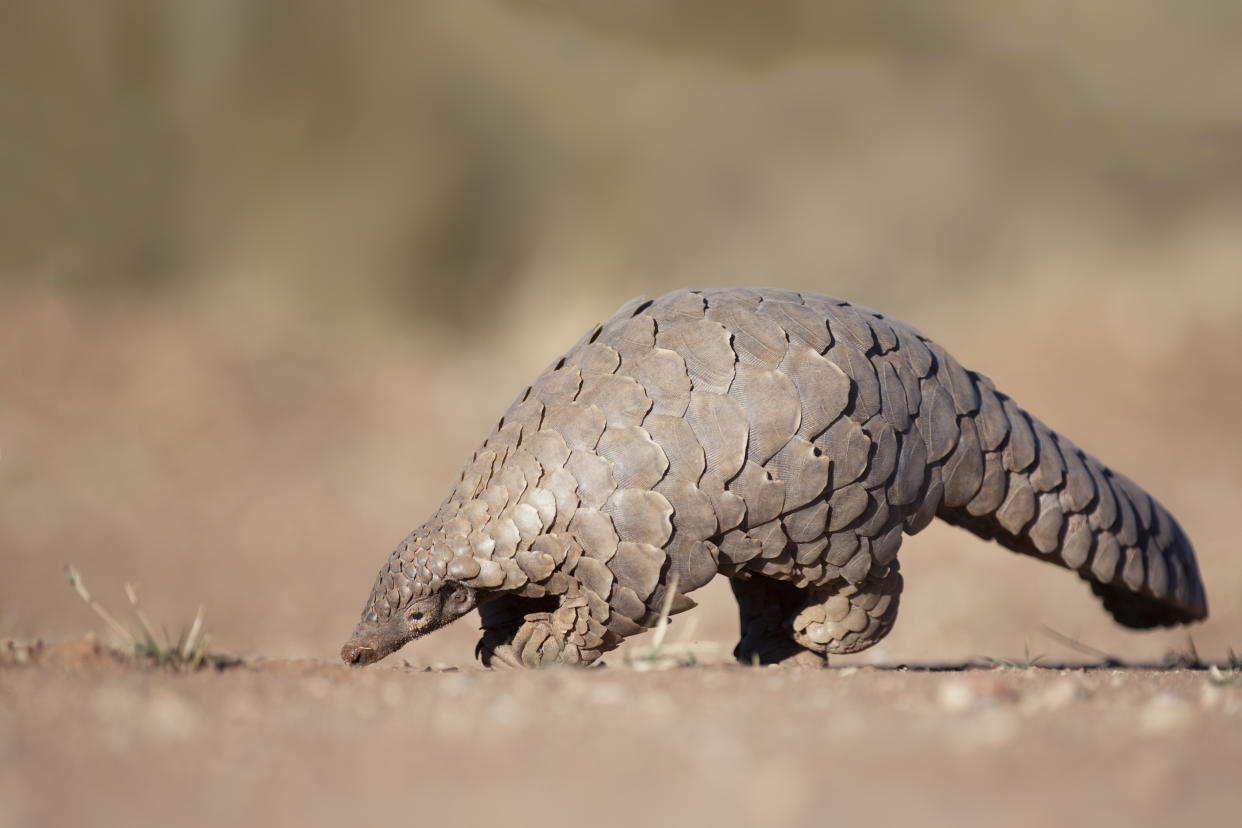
pixel 506 712
pixel 608 694
pixel 990 727
pixel 172 717
pixel 955 696
pixel 1164 713
pixel 1054 697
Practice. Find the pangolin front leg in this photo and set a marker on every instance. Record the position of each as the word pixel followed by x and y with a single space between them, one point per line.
pixel 569 631
pixel 501 620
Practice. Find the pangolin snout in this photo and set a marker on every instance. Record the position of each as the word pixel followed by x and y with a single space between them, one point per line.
pixel 364 647
pixel 356 655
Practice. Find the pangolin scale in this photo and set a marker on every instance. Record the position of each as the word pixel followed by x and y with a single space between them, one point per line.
pixel 785 440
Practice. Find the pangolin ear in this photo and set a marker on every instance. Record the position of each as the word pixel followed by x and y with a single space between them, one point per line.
pixel 460 595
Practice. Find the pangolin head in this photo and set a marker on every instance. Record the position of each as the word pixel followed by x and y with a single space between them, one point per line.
pixel 401 609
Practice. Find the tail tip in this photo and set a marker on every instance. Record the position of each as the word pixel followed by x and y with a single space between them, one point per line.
pixel 1143 612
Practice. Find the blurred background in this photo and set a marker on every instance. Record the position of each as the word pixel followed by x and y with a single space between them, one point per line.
pixel 269 271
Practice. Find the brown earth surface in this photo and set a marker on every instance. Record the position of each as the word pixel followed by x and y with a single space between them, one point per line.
pixel 87 740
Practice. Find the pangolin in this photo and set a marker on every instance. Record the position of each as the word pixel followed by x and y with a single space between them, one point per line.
pixel 784 440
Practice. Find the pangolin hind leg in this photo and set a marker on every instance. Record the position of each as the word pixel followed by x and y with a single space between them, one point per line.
pixel 843 617
pixel 766 609
pixel 782 623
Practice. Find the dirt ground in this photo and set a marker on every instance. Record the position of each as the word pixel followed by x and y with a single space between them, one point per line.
pixel 88 741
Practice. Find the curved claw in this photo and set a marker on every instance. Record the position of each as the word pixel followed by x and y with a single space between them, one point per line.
pixel 503 657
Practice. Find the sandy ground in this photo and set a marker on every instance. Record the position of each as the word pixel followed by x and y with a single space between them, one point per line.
pixel 86 740
pixel 265 472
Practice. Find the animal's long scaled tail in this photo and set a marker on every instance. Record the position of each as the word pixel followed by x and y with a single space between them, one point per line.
pixel 1012 479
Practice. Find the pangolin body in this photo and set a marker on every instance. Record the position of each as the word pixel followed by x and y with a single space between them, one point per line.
pixel 785 440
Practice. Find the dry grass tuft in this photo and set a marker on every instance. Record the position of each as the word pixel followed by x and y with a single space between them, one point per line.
pixel 187 654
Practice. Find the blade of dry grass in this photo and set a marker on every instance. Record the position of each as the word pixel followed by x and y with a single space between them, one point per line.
pixel 75 581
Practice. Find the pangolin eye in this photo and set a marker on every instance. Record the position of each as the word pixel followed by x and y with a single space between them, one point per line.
pixel 416 616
